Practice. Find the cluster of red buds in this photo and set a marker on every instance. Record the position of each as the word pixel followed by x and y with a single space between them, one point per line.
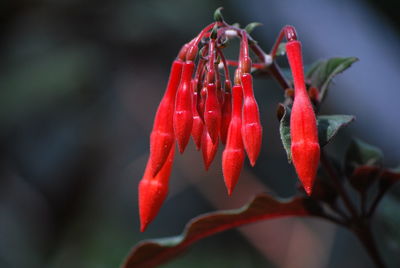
pixel 200 101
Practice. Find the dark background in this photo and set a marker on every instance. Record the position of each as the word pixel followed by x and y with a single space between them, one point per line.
pixel 80 82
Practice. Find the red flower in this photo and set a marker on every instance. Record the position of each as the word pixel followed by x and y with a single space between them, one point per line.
pixel 162 135
pixel 303 126
pixel 233 155
pixel 153 190
pixel 212 112
pixel 183 117
pixel 251 126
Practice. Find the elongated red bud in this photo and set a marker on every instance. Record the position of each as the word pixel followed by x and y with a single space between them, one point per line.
pixel 233 155
pixel 153 190
pixel 303 126
pixel 162 135
pixel 212 112
pixel 201 102
pixel 183 117
pixel 197 128
pixel 208 148
pixel 226 115
pixel 251 125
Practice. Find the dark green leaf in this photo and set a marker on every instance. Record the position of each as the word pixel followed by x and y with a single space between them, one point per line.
pixel 360 153
pixel 155 252
pixel 284 128
pixel 322 72
pixel 329 125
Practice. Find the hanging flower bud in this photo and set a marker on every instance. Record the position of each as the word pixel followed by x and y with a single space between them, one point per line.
pixel 226 113
pixel 153 190
pixel 197 128
pixel 212 112
pixel 303 126
pixel 162 135
pixel 233 155
pixel 251 125
pixel 183 117
pixel 208 148
pixel 201 102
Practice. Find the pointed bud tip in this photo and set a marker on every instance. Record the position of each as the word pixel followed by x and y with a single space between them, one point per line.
pixel 143 226
pixel 230 190
pixel 308 190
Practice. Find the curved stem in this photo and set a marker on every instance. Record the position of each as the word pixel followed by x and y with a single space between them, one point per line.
pixel 276 73
pixel 366 238
pixel 341 190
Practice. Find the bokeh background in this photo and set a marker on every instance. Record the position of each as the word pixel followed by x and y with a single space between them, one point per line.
pixel 80 82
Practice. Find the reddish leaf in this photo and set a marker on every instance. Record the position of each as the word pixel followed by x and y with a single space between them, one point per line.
pixel 388 178
pixel 152 253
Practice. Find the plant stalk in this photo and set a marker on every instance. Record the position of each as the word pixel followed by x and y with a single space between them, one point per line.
pixel 366 238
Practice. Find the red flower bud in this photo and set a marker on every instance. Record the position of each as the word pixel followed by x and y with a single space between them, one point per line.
pixel 233 155
pixel 162 135
pixel 251 126
pixel 183 117
pixel 226 115
pixel 208 148
pixel 201 102
pixel 153 190
pixel 212 112
pixel 303 126
pixel 197 128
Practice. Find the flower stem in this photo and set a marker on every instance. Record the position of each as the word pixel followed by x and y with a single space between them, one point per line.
pixel 338 184
pixel 366 238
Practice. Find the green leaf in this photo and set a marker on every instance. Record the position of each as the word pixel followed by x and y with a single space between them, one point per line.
pixel 152 253
pixel 251 26
pixel 322 72
pixel 328 127
pixel 282 51
pixel 218 14
pixel 284 128
pixel 360 153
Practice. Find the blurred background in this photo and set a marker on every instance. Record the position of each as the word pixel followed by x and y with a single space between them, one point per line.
pixel 80 82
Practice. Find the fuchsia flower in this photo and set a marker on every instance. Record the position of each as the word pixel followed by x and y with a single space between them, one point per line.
pixel 233 155
pixel 303 125
pixel 153 190
pixel 183 115
pixel 162 136
pixel 197 104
